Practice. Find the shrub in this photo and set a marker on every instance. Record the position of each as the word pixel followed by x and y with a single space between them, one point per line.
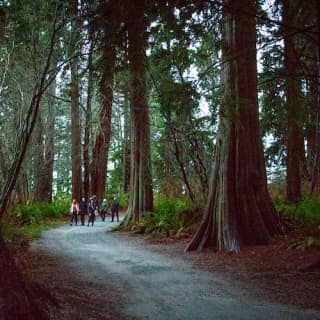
pixel 168 217
pixel 307 210
pixel 27 221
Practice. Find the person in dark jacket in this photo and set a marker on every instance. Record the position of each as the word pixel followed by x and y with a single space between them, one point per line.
pixel 95 204
pixel 91 210
pixel 115 209
pixel 83 210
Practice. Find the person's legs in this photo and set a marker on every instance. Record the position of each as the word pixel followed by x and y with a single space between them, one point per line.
pixel 117 215
pixel 112 215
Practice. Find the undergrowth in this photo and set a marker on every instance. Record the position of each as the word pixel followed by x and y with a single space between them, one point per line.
pixel 170 217
pixel 305 215
pixel 28 221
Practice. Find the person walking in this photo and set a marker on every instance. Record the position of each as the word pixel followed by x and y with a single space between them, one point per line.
pixel 115 209
pixel 83 210
pixel 74 211
pixel 104 208
pixel 95 204
pixel 91 212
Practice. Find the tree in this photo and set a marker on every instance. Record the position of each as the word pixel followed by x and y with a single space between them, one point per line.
pixel 141 190
pixel 17 298
pixel 295 142
pixel 238 209
pixel 315 181
pixel 109 23
pixel 75 101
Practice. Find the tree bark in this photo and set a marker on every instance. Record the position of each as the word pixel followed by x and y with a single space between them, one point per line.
pixel 141 190
pixel 75 132
pixel 49 145
pixel 315 180
pixel 86 144
pixel 101 148
pixel 126 146
pixel 293 95
pixel 238 209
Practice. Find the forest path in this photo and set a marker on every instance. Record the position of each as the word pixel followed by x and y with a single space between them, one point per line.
pixel 105 275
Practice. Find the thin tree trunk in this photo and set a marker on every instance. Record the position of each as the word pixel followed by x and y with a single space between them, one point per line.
pixel 50 148
pixel 38 164
pixel 238 209
pixel 181 164
pixel 126 145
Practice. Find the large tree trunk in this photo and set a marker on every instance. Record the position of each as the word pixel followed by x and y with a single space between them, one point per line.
pixel 315 181
pixel 293 95
pixel 238 209
pixel 75 106
pixel 86 144
pixel 75 132
pixel 141 190
pixel 101 148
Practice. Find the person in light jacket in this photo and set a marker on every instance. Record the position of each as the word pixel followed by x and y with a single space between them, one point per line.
pixel 104 208
pixel 74 211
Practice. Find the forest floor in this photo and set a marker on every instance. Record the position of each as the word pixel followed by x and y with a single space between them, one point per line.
pixel 94 274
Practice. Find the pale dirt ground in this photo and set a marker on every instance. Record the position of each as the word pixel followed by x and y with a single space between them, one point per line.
pixel 97 274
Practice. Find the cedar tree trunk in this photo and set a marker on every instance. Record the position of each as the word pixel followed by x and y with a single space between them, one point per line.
pixel 101 148
pixel 141 190
pixel 238 209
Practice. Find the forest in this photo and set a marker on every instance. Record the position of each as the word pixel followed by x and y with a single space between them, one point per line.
pixel 201 116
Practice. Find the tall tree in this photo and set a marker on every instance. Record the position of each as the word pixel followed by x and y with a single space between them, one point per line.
pixel 141 187
pixel 110 39
pixel 315 181
pixel 238 209
pixel 17 298
pixel 75 104
pixel 295 143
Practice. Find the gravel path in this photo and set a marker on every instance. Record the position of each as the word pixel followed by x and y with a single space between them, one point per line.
pixel 96 274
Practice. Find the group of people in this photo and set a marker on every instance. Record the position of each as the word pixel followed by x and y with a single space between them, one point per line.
pixel 93 210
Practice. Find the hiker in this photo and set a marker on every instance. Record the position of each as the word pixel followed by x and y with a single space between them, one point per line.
pixel 74 211
pixel 95 204
pixel 104 208
pixel 91 210
pixel 115 209
pixel 83 210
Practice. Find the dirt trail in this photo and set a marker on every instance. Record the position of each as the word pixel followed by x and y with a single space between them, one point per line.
pixel 125 280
